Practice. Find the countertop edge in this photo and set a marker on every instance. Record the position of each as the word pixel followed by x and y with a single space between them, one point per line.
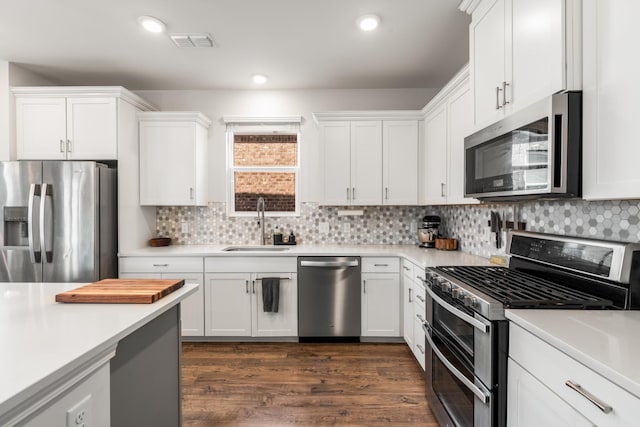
pixel 412 253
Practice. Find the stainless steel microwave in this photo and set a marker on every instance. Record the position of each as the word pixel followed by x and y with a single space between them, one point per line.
pixel 533 153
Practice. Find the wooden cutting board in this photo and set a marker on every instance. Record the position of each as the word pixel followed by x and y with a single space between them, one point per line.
pixel 121 291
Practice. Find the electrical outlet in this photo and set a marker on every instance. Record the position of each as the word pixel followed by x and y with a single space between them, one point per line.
pixel 80 415
pixel 346 228
pixel 184 227
pixel 413 226
pixel 323 228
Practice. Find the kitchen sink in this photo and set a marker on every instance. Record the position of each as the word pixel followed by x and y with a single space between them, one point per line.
pixel 254 249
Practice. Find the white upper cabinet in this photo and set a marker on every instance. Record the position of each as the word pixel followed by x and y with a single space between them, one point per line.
pixel 56 127
pixel 435 157
pixel 369 159
pixel 448 120
pixel 487 55
pixel 336 137
pixel 522 51
pixel 400 163
pixel 366 162
pixel 610 100
pixel 173 151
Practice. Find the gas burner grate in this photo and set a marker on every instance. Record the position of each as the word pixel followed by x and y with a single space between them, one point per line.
pixel 520 290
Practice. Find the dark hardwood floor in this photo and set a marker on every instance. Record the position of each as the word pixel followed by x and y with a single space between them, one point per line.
pixel 292 384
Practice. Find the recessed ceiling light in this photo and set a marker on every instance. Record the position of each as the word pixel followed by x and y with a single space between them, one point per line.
pixel 368 22
pixel 260 79
pixel 151 24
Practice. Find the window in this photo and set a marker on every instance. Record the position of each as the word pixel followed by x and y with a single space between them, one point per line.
pixel 263 161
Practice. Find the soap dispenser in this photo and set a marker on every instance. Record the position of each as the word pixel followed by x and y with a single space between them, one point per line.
pixel 277 236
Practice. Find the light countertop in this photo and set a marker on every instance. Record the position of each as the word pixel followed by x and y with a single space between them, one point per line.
pixel 420 256
pixel 606 341
pixel 43 341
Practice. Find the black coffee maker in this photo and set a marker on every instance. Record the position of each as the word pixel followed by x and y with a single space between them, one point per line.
pixel 428 233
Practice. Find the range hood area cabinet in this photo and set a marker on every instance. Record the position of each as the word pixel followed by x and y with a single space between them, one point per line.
pixel 70 122
pixel 522 51
pixel 448 120
pixel 173 156
pixel 370 158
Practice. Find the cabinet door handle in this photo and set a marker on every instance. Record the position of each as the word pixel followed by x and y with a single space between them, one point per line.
pixel 504 93
pixel 386 193
pixel 381 265
pixel 410 300
pixel 420 348
pixel 364 286
pixel 68 146
pixel 161 265
pixel 191 193
pixel 420 318
pixel 590 397
pixel 442 189
pixel 348 193
pixel 420 298
pixel 498 106
pixel 253 286
pixel 406 268
pixel 246 286
pixel 353 193
pixel 61 146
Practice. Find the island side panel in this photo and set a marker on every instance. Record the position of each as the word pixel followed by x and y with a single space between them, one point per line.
pixel 145 375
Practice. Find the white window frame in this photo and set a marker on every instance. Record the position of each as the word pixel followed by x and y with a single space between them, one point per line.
pixel 286 125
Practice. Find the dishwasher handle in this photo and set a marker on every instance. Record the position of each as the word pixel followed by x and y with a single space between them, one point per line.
pixel 329 264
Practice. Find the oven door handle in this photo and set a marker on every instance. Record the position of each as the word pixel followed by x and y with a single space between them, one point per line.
pixel 460 314
pixel 479 391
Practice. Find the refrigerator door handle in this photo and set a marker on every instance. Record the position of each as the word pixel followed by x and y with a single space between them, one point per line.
pixel 47 256
pixel 34 191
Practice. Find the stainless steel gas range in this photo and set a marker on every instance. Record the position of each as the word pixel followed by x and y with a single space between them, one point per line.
pixel 466 330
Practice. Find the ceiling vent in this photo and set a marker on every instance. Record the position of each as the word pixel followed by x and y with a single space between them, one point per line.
pixel 192 40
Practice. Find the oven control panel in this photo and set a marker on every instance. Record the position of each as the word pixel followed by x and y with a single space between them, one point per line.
pixel 447 287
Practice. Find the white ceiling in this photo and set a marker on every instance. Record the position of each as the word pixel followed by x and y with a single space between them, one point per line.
pixel 299 44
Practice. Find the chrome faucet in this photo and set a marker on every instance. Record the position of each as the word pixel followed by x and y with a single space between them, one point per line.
pixel 260 209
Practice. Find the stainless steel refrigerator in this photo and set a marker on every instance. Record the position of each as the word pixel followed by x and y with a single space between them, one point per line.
pixel 59 221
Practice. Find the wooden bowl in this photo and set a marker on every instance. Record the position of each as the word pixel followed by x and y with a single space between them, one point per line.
pixel 160 241
pixel 446 244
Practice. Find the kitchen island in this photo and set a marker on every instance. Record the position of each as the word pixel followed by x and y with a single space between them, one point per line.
pixel 108 364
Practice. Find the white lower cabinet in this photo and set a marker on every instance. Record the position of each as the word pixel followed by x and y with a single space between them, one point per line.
pixel 418 320
pixel 234 298
pixel 380 297
pixel 188 269
pixel 228 304
pixel 408 298
pixel 532 404
pixel 548 387
pixel 234 306
pixel 413 309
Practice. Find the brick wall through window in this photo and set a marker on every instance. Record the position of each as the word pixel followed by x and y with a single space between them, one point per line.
pixel 276 187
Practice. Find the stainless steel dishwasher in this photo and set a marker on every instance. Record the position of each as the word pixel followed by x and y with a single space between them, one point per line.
pixel 329 298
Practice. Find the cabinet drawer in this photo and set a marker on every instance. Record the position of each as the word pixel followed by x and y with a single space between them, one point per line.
pixel 419 273
pixel 160 264
pixel 407 269
pixel 420 296
pixel 554 368
pixel 380 265
pixel 419 341
pixel 265 264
